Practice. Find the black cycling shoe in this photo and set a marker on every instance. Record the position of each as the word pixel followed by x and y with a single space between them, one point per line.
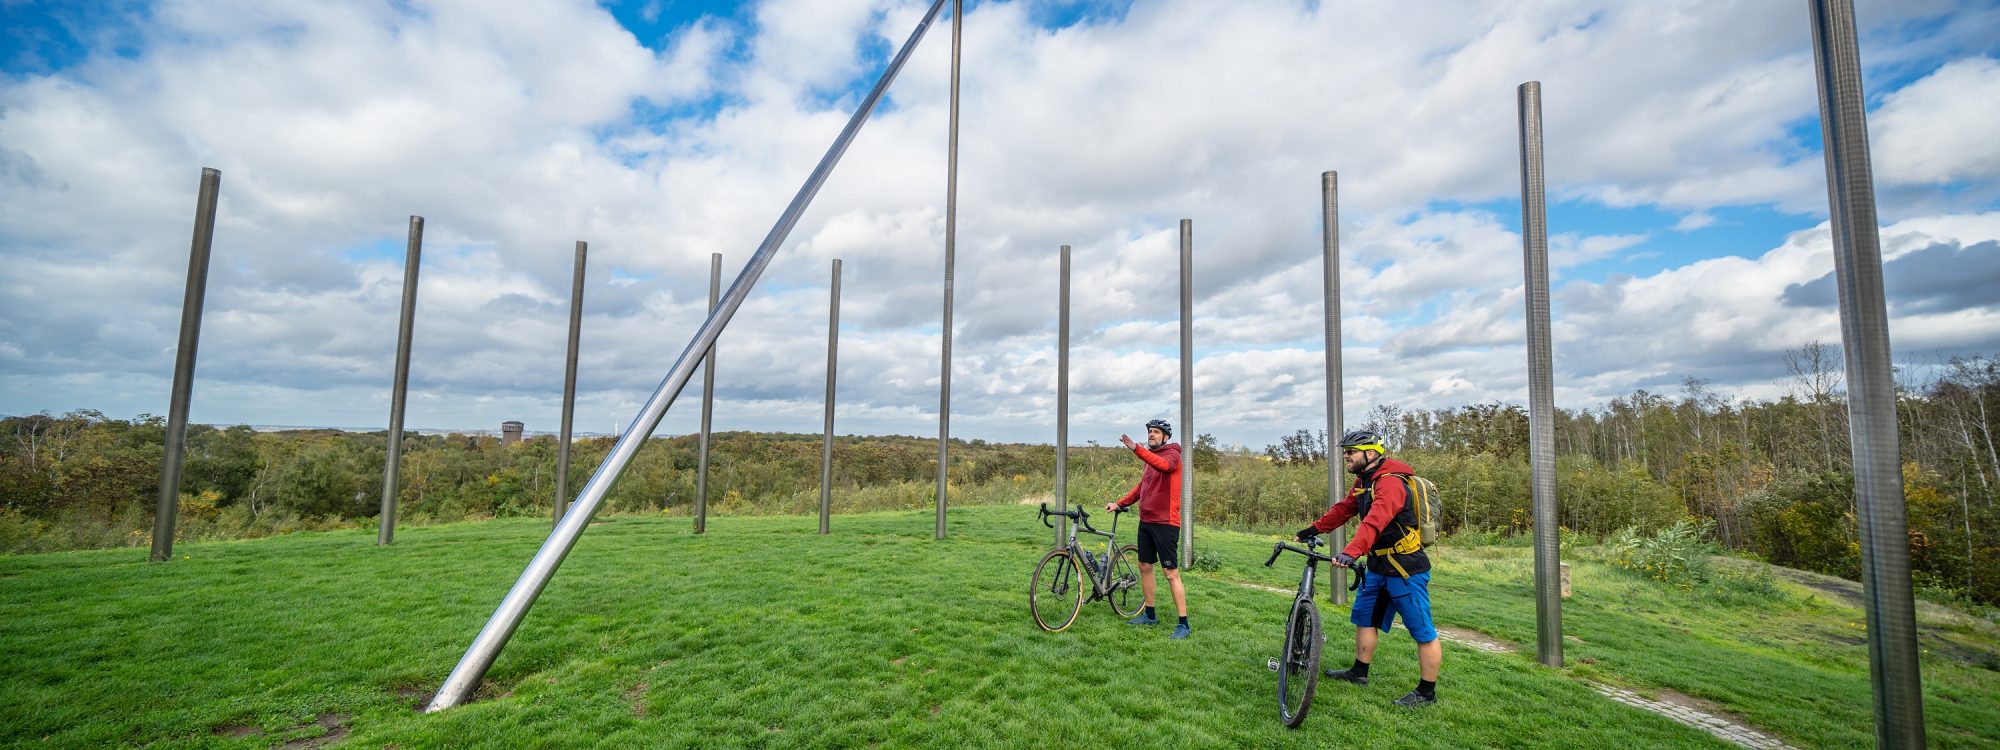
pixel 1348 675
pixel 1415 699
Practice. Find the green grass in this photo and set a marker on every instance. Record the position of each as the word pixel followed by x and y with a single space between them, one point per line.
pixel 763 633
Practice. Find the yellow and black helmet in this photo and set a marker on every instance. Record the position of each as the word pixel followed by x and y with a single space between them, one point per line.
pixel 1362 440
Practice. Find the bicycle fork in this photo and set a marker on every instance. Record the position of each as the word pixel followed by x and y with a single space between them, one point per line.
pixel 1304 594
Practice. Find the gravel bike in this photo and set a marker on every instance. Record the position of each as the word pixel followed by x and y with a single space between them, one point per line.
pixel 1055 594
pixel 1298 668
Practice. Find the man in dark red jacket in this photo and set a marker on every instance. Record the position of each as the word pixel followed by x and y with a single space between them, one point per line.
pixel 1399 574
pixel 1159 497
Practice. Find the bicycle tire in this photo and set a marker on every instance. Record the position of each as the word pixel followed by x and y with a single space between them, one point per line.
pixel 1129 599
pixel 1055 594
pixel 1298 673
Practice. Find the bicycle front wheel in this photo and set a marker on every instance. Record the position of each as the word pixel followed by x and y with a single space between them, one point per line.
pixel 1055 594
pixel 1298 673
pixel 1126 598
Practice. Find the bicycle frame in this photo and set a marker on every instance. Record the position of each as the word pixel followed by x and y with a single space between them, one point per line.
pixel 1100 579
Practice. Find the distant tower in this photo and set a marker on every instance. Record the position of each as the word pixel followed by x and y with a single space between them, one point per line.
pixel 510 432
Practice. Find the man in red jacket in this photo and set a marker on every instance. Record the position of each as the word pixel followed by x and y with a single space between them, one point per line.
pixel 1399 574
pixel 1159 497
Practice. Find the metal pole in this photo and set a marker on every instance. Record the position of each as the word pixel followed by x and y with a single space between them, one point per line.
pixel 950 237
pixel 1871 423
pixel 1187 392
pixel 486 646
pixel 832 368
pixel 177 410
pixel 1062 396
pixel 569 381
pixel 392 468
pixel 1541 381
pixel 707 402
pixel 1329 194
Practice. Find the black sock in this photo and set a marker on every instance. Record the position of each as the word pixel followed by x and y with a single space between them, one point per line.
pixel 1360 668
pixel 1149 612
pixel 1427 688
pixel 1184 621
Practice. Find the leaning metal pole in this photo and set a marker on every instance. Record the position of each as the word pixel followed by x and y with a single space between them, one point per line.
pixel 707 403
pixel 1541 381
pixel 569 381
pixel 950 237
pixel 392 468
pixel 1187 392
pixel 1062 396
pixel 1329 194
pixel 177 409
pixel 1871 422
pixel 826 443
pixel 486 646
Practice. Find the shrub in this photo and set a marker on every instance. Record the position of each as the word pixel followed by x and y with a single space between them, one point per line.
pixel 1676 555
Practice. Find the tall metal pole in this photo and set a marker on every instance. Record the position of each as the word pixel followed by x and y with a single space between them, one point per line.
pixel 392 468
pixel 1541 381
pixel 1329 203
pixel 707 402
pixel 950 238
pixel 486 646
pixel 569 381
pixel 1187 392
pixel 1871 422
pixel 832 368
pixel 1062 396
pixel 165 514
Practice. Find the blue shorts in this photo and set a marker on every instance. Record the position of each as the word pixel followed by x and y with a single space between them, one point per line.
pixel 1383 597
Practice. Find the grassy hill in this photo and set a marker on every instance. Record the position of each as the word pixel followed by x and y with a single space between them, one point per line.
pixel 763 633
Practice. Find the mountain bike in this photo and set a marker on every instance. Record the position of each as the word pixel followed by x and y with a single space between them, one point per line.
pixel 1055 594
pixel 1298 669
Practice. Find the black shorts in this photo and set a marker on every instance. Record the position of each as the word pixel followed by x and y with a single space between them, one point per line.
pixel 1160 543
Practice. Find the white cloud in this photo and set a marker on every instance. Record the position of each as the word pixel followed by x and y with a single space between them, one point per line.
pixel 1940 129
pixel 517 129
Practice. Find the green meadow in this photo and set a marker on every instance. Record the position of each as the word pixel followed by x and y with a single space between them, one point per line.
pixel 764 633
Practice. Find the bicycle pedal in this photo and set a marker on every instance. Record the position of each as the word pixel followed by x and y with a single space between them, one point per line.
pixel 1271 664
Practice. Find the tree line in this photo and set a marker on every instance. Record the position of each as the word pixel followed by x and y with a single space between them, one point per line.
pixel 1772 478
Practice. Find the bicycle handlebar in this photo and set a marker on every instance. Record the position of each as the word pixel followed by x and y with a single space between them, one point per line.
pixel 1081 517
pixel 1280 547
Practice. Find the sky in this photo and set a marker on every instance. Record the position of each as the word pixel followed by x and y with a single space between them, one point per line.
pixel 1687 205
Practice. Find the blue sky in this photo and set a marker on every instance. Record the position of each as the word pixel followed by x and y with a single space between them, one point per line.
pixel 1687 203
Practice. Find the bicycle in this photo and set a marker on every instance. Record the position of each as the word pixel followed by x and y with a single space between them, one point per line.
pixel 1055 593
pixel 1298 669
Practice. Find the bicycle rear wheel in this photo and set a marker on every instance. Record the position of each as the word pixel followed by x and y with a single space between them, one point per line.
pixel 1126 597
pixel 1055 594
pixel 1298 673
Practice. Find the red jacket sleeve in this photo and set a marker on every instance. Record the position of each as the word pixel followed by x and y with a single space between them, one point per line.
pixel 1336 515
pixel 1168 464
pixel 1131 496
pixel 1389 499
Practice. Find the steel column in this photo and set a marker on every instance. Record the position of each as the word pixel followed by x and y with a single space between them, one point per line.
pixel 493 636
pixel 168 510
pixel 569 381
pixel 1871 423
pixel 1062 396
pixel 392 468
pixel 707 402
pixel 1329 204
pixel 950 238
pixel 1187 392
pixel 1541 381
pixel 832 368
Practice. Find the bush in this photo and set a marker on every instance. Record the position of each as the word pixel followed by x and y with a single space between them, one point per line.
pixel 1676 555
